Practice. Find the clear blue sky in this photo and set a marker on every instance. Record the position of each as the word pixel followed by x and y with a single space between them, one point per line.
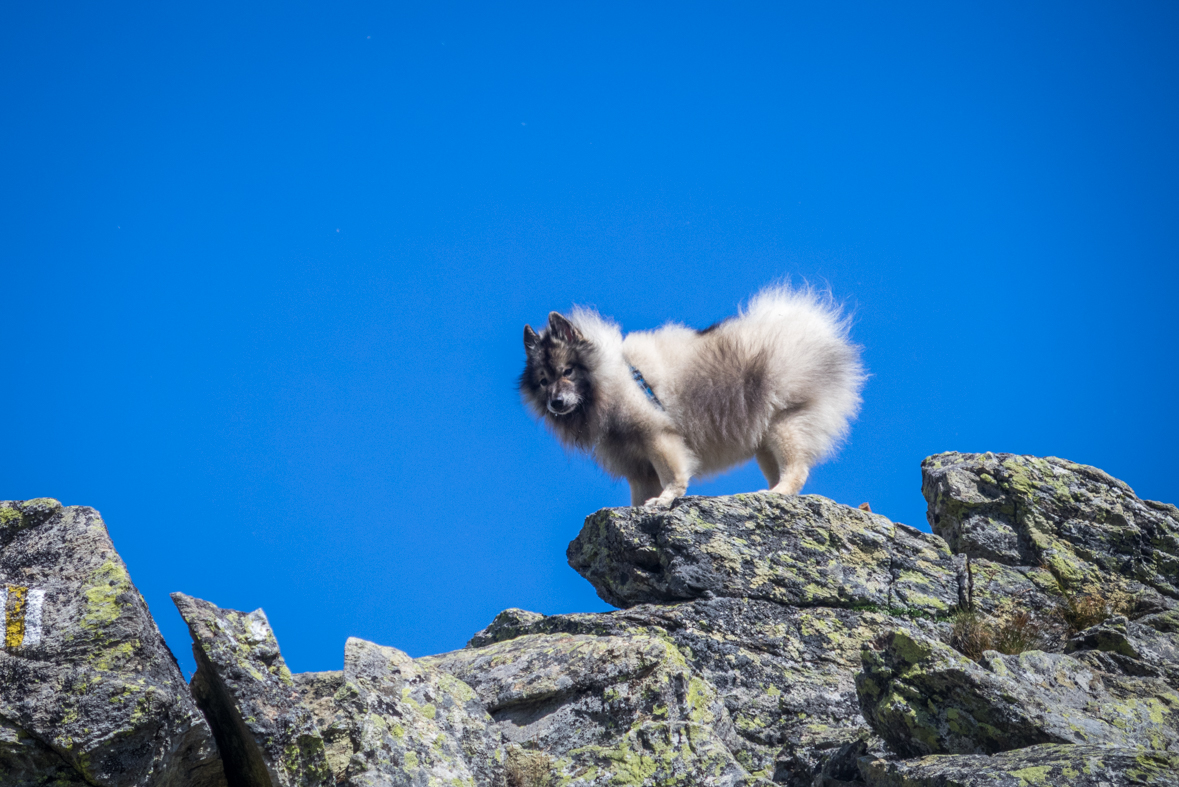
pixel 264 267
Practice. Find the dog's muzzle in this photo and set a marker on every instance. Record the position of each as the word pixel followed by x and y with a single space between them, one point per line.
pixel 559 405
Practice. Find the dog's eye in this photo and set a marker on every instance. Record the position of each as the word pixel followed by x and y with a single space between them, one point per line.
pixel 544 381
pixel 568 371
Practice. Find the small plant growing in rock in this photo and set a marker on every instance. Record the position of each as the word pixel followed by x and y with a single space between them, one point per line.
pixel 974 633
pixel 1018 632
pixel 528 768
pixel 971 634
pixel 1082 610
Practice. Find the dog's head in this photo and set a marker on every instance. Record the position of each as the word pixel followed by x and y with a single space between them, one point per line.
pixel 556 381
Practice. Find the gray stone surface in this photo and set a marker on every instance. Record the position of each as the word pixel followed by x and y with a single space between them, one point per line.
pixel 996 588
pixel 1130 648
pixel 383 720
pixel 319 692
pixel 785 675
pixel 763 640
pixel 1048 765
pixel 923 697
pixel 1078 522
pixel 87 686
pixel 802 551
pixel 26 762
pixel 265 735
pixel 602 709
pixel 414 725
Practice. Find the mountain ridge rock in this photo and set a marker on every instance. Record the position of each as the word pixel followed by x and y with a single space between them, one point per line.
pixel 84 672
pixel 760 640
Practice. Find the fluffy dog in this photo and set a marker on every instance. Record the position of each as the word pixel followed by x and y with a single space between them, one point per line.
pixel 780 382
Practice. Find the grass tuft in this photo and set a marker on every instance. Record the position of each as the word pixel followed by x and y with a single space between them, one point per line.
pixel 528 768
pixel 973 633
pixel 1011 631
pixel 1082 610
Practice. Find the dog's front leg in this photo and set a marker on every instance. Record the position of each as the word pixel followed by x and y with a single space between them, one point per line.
pixel 674 463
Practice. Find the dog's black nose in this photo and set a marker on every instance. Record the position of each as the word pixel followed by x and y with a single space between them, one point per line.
pixel 557 402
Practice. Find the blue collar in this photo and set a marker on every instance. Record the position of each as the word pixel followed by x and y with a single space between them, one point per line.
pixel 638 378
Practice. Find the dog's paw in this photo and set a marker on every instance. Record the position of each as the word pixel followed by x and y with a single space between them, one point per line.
pixel 659 503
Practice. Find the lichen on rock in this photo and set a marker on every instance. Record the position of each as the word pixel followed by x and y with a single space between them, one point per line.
pixel 923 697
pixel 803 551
pixel 762 640
pixel 785 675
pixel 265 734
pixel 1046 765
pixel 605 710
pixel 383 720
pixel 87 685
pixel 413 724
pixel 1081 524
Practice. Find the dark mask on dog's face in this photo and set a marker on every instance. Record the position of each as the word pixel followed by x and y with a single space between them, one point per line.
pixel 555 374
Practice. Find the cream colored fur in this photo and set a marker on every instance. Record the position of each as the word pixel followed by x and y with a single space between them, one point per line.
pixel 779 382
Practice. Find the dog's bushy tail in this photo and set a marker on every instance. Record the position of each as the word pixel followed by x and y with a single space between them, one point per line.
pixel 807 304
pixel 811 339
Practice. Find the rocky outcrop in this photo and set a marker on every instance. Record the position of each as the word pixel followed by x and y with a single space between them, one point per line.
pixel 775 597
pixel 600 709
pixel 1053 547
pixel 925 698
pixel 803 551
pixel 265 734
pixel 785 676
pixel 1048 765
pixel 1137 648
pixel 412 724
pixel 89 693
pixel 1082 525
pixel 761 640
pixel 383 720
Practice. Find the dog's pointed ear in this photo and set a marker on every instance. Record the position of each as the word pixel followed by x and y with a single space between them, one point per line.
pixel 530 338
pixel 563 327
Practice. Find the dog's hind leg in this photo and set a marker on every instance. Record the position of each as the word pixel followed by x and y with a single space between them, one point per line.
pixel 674 463
pixel 769 466
pixel 644 487
pixel 788 442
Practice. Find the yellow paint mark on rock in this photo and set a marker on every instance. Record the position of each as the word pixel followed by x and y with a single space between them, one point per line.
pixel 14 616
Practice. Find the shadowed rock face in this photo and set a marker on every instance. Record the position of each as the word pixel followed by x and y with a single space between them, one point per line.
pixel 27 762
pixel 762 640
pixel 265 734
pixel 89 693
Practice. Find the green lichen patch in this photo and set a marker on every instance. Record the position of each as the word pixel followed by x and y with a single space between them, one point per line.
pixel 106 592
pixel 805 551
pixel 1085 527
pixel 1047 765
pixel 651 717
pixel 238 650
pixel 924 698
pixel 410 721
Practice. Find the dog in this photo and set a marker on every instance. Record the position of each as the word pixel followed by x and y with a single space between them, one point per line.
pixel 780 382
